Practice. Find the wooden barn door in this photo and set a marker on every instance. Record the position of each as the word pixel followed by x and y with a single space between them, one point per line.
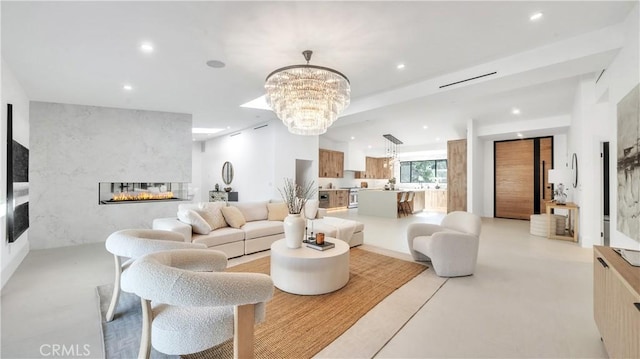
pixel 521 182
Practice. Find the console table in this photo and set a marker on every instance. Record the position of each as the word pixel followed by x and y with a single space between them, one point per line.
pixel 573 225
pixel 219 196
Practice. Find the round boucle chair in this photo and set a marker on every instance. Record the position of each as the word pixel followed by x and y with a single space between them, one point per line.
pixel 452 246
pixel 188 305
pixel 135 243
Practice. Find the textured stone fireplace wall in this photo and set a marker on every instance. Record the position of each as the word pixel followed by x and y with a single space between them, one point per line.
pixel 74 147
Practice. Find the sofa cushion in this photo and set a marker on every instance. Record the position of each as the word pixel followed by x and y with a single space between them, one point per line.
pixel 209 211
pixel 277 211
pixel 192 218
pixel 233 216
pixel 252 211
pixel 219 236
pixel 257 229
pixel 212 213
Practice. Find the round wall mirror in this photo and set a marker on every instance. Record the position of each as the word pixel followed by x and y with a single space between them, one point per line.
pixel 227 173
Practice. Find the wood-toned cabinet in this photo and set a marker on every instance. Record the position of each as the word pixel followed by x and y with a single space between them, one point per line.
pixel 616 303
pixel 375 168
pixel 331 164
pixel 338 198
pixel 435 200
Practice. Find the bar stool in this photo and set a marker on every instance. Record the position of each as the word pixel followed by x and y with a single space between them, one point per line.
pixel 401 204
pixel 408 204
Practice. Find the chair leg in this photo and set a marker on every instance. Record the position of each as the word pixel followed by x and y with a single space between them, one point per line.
pixel 116 290
pixel 243 340
pixel 145 338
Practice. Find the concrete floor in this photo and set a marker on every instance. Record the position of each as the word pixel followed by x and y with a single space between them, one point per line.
pixel 530 297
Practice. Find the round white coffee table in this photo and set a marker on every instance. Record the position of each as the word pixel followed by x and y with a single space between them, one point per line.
pixel 308 271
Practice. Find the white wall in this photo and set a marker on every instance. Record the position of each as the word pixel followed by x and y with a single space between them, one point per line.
pixel 74 147
pixel 595 121
pixel 12 92
pixel 475 170
pixel 261 159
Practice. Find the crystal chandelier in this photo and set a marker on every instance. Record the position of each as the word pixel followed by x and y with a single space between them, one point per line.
pixel 307 98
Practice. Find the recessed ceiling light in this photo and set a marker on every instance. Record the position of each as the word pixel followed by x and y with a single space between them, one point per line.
pixel 203 130
pixel 437 138
pixel 515 111
pixel 353 137
pixel 520 135
pixel 127 87
pixel 400 66
pixel 216 64
pixel 425 127
pixel 369 146
pixel 228 127
pixel 536 16
pixel 146 47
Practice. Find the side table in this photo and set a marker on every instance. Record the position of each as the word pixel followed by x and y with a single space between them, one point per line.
pixel 573 225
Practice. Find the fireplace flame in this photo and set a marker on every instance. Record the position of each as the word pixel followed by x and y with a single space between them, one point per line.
pixel 141 196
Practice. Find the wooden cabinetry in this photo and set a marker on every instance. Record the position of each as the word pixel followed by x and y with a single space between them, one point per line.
pixel 338 198
pixel 375 168
pixel 331 164
pixel 616 303
pixel 435 200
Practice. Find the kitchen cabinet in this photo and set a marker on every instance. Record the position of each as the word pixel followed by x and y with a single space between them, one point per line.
pixel 375 168
pixel 616 303
pixel 435 200
pixel 331 164
pixel 338 198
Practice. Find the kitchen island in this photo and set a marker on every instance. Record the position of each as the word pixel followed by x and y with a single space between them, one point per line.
pixel 382 203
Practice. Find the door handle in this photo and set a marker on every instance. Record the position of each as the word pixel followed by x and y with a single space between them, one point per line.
pixel 543 181
pixel 604 264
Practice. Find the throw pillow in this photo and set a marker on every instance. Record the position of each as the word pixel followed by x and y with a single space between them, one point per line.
pixel 277 211
pixel 233 216
pixel 212 213
pixel 198 224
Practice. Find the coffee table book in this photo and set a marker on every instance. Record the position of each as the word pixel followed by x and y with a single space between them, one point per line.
pixel 321 247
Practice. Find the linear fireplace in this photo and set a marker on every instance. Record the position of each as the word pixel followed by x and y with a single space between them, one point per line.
pixel 136 192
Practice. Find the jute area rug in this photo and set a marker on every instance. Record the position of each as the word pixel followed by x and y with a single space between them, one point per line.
pixel 300 326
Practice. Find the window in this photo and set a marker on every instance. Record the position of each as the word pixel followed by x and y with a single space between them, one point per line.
pixel 426 171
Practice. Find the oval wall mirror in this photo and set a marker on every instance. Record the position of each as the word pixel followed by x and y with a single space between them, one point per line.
pixel 227 173
pixel 574 168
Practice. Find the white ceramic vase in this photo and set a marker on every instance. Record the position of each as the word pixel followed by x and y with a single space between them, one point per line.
pixel 294 230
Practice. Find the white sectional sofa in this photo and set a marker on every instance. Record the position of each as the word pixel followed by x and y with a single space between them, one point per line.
pixel 255 229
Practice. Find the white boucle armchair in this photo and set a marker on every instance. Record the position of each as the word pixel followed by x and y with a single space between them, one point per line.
pixel 135 243
pixel 452 246
pixel 189 305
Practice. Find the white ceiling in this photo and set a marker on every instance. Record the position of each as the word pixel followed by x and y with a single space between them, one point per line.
pixel 84 52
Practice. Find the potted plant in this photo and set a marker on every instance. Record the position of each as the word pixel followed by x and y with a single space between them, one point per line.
pixel 295 198
pixel 392 183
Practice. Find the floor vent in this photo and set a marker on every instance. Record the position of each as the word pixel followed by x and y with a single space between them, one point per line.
pixel 469 79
